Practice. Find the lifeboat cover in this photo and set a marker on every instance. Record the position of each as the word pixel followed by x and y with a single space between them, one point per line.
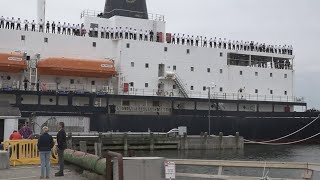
pixel 76 67
pixel 13 63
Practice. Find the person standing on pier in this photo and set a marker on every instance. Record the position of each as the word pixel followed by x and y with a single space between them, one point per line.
pixel 45 144
pixel 62 145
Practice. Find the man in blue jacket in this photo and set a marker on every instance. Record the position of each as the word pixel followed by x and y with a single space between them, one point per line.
pixel 45 144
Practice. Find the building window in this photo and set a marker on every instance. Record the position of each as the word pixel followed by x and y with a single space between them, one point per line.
pixel 146 85
pixel 131 84
pixel 208 70
pixel 221 89
pixel 192 68
pixel 221 71
pixel 8 78
pixel 256 73
pixel 221 54
pixel 271 74
pixel 165 49
pixel 125 103
pixel 285 75
pixel 147 65
pixel 23 37
pixel 191 87
pixel 271 91
pixel 188 51
pixel 132 64
pixel 174 86
pixel 256 91
pixel 285 93
pixel 128 45
pixel 46 40
pixel 155 103
pixel 93 83
pixel 174 68
pixel 241 73
pixel 94 44
pixel 71 81
pixel 204 88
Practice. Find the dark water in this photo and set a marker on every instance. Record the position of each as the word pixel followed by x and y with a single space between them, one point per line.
pixel 296 153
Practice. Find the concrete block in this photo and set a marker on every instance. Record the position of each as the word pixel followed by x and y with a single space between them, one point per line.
pixel 4 160
pixel 141 168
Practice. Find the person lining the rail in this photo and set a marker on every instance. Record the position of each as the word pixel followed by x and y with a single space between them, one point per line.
pixel 69 29
pixel 135 34
pixel 210 42
pixel 73 27
pixel 241 45
pixel 116 33
pixel 188 40
pixel 126 35
pixel 12 25
pixel 229 45
pixel 33 26
pixel 53 27
pixel 102 32
pixel 140 35
pixel 215 42
pixel 205 42
pixel 182 39
pixel 64 27
pixel 151 35
pixel 26 25
pixel 107 33
pixel 18 24
pixel 225 43
pixel 7 23
pixel 2 19
pixel 121 33
pixel 220 43
pixel 178 38
pixel 191 40
pixel 197 41
pixel 41 24
pixel 130 33
pixel 146 36
pixel 78 30
pixel 111 33
pixel 47 27
pixel 59 27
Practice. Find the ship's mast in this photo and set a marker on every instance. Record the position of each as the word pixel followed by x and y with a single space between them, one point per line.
pixel 42 10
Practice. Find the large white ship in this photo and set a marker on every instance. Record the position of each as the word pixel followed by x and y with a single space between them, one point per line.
pixel 122 71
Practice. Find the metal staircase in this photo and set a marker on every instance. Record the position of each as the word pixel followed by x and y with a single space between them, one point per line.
pixel 32 72
pixel 181 86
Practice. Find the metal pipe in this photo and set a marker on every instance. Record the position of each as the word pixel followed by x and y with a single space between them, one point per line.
pixel 119 157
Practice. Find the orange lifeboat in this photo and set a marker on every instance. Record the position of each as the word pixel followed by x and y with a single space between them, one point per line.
pixel 77 67
pixel 13 63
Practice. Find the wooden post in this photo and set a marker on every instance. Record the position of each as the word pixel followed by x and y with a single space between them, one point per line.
pixel 204 144
pixel 69 142
pixel 97 149
pixel 83 146
pixel 185 141
pixel 221 140
pixel 151 141
pixel 125 142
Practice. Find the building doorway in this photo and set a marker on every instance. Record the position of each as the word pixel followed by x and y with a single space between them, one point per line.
pixel 1 130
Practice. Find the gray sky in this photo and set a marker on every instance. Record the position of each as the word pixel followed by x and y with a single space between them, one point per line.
pixel 295 22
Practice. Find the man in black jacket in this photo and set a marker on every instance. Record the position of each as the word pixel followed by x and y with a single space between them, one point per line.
pixel 62 145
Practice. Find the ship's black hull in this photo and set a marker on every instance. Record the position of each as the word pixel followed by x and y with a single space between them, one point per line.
pixel 254 126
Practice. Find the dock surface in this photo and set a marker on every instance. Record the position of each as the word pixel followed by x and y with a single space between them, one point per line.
pixel 33 172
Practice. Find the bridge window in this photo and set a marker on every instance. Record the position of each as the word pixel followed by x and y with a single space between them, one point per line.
pixel 256 91
pixel 46 40
pixel 240 73
pixel 221 71
pixel 174 86
pixel 208 70
pixel 128 45
pixel 23 37
pixel 156 103
pixel 174 68
pixel 204 88
pixel 271 91
pixel 146 85
pixel 192 68
pixel 221 89
pixel 256 73
pixel 191 88
pixel 285 93
pixel 125 103
pixel 94 44
pixel 285 75
pixel 188 51
pixel 165 49
pixel 221 54
pixel 271 74
pixel 147 65
pixel 132 64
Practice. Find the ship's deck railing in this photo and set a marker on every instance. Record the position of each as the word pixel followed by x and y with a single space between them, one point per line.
pixel 246 170
pixel 93 13
pixel 143 109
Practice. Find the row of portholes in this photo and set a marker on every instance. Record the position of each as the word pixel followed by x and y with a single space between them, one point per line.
pixel 8 77
pixel 50 100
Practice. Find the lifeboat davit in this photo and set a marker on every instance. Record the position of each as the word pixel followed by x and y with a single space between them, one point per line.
pixel 12 63
pixel 77 67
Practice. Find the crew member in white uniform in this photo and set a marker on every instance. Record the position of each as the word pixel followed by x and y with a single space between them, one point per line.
pixel 131 33
pixel 64 28
pixel 210 42
pixel 78 30
pixel 112 33
pixel 105 32
pixel 59 27
pixel 141 35
pixel 121 33
pixel 220 43
pixel 12 23
pixel 146 36
pixel 135 34
pixel 108 33
pixel 233 45
pixel 96 33
pixel 117 33
pixel 2 19
pixel 47 27
pixel 182 39
pixel 229 44
pixel 173 38
pixel 26 25
pixel 191 40
pixel 241 45
pixel 205 42
pixel 126 33
pixel 33 26
pixel 102 32
pixel 178 38
pixel 215 42
pixel 41 24
pixel 18 24
pixel 69 29
pixel 7 23
pixel 197 41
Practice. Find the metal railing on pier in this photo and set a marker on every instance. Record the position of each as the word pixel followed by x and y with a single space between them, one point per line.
pixel 264 168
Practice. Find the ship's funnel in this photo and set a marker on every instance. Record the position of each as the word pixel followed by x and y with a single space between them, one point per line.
pixel 128 8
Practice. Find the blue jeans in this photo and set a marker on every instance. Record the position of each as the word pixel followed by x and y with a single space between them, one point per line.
pixel 45 163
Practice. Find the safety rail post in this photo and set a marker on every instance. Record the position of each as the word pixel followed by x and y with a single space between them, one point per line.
pixel 109 157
